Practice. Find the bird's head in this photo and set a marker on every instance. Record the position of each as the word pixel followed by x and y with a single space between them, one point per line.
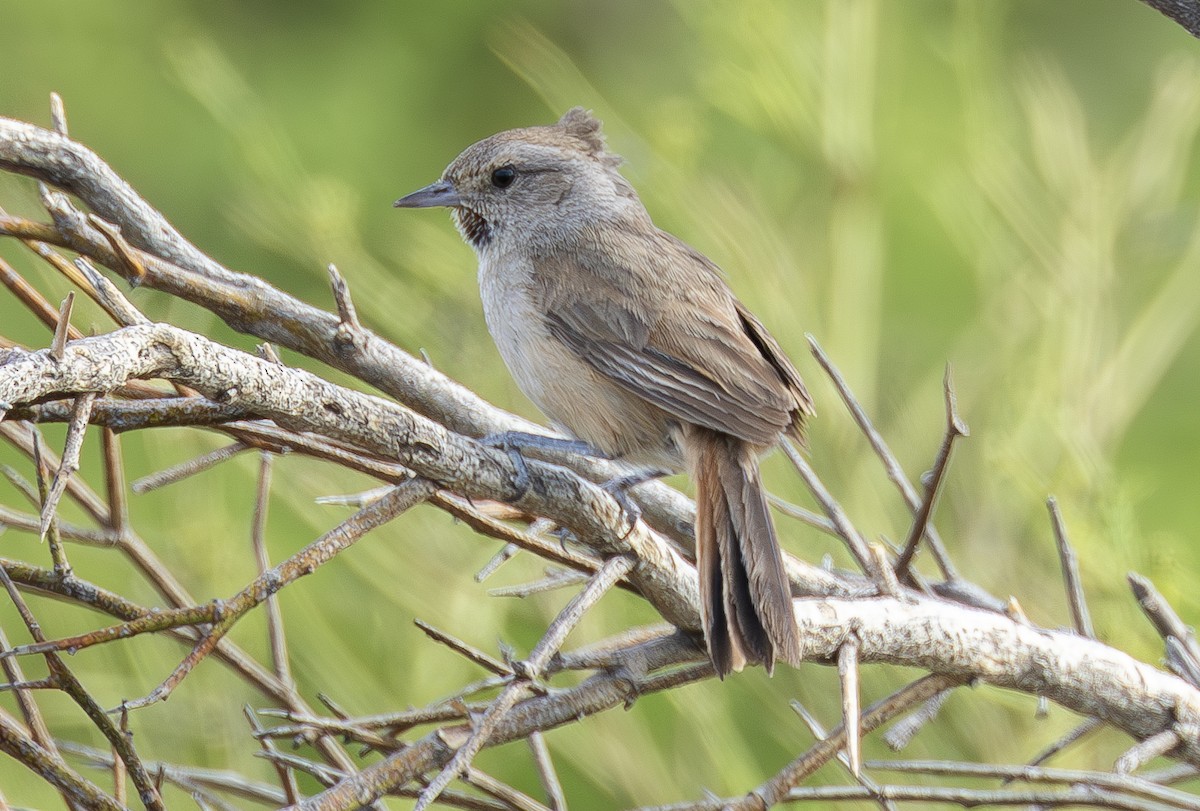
pixel 536 186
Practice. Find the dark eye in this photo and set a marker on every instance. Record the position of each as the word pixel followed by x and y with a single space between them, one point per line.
pixel 503 177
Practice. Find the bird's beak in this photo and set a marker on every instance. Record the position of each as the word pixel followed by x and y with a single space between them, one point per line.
pixel 441 193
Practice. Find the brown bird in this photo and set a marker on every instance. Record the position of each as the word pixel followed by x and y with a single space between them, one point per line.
pixel 632 341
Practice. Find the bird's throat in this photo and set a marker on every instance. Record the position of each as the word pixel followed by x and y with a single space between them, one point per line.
pixel 474 228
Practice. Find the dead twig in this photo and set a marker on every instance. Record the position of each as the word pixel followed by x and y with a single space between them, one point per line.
pixel 488 663
pixel 61 329
pixel 189 468
pixel 1168 624
pixel 66 681
pixel 1145 751
pixel 1125 784
pixel 890 464
pixel 818 732
pixel 275 633
pixel 955 428
pixel 69 462
pixel 546 772
pixel 904 730
pixel 851 708
pixel 845 529
pixel 1070 568
pixel 304 562
pixel 527 672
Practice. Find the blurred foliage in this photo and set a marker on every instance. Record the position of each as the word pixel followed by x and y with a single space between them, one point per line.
pixel 1010 187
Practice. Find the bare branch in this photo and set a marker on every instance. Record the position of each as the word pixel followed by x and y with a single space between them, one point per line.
pixel 1074 797
pixel 134 270
pixel 888 584
pixel 527 671
pixel 347 316
pixel 1070 568
pixel 119 770
pixel 34 720
pixel 1166 621
pixel 304 562
pixel 820 753
pixel 31 298
pixel 890 464
pixel 66 681
pixel 1078 673
pixel 1138 787
pixel 275 633
pixel 600 692
pixel 851 708
pixel 187 777
pixel 287 777
pixel 473 654
pixel 189 468
pixel 114 481
pixel 69 463
pixel 545 769
pixel 58 114
pixel 904 730
pixel 62 327
pixel 1146 751
pixel 1083 730
pixel 955 428
pixel 15 743
pixel 509 796
pixel 48 528
pixel 845 529
pixel 818 732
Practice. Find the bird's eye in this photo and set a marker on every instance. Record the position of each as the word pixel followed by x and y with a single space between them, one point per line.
pixel 503 177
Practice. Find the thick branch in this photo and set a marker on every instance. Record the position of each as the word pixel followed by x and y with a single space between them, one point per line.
pixel 1081 674
pixel 301 401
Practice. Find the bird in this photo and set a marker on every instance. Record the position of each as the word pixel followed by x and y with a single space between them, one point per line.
pixel 633 342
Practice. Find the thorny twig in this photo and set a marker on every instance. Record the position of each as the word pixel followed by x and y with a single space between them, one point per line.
pixel 545 769
pixel 527 673
pixel 66 681
pixel 818 731
pixel 1125 784
pixel 851 707
pixel 891 465
pixel 1070 568
pixel 955 428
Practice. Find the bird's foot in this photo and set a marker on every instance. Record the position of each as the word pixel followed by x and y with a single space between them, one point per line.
pixel 515 443
pixel 619 489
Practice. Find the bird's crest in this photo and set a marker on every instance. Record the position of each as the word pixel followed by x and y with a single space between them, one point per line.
pixel 584 127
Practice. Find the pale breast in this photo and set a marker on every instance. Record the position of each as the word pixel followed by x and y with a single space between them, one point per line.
pixel 566 389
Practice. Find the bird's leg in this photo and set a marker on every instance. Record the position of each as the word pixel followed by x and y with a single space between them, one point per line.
pixel 514 443
pixel 619 489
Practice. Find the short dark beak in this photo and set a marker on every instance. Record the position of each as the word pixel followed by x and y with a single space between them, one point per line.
pixel 441 193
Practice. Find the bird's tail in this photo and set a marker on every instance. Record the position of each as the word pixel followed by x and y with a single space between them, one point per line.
pixel 745 597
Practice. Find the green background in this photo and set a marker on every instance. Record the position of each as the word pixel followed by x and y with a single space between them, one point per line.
pixel 1008 187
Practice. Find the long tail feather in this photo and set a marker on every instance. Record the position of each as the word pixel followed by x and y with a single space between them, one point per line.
pixel 744 592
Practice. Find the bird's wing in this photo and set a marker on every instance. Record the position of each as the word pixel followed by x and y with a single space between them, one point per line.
pixel 687 345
